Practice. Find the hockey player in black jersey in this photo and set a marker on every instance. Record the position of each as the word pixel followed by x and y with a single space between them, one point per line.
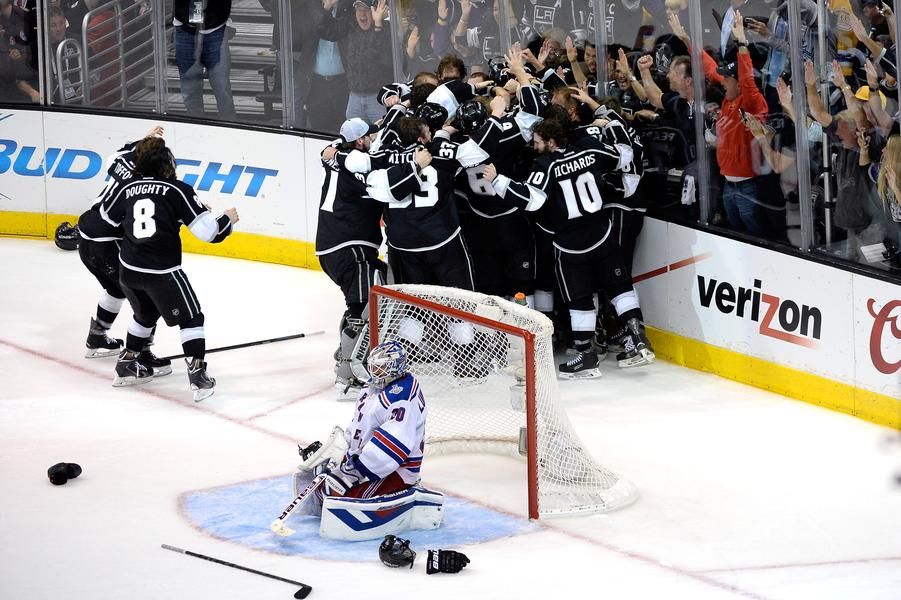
pixel 566 181
pixel 99 252
pixel 151 210
pixel 348 237
pixel 423 228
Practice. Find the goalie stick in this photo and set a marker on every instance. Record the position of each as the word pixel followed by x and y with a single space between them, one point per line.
pixel 278 526
pixel 303 592
pixel 284 338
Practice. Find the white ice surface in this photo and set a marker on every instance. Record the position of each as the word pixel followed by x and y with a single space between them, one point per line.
pixel 744 494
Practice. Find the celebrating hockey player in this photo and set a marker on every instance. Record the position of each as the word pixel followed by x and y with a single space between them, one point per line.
pixel 370 471
pixel 151 210
pixel 99 252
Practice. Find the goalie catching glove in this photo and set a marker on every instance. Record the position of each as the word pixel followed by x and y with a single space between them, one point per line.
pixel 445 561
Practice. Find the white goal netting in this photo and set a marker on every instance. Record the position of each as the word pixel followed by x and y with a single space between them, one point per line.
pixel 470 352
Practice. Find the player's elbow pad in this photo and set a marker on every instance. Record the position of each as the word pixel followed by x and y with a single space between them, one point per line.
pixel 211 229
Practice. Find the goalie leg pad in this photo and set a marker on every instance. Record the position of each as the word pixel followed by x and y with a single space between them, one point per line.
pixel 313 504
pixel 355 519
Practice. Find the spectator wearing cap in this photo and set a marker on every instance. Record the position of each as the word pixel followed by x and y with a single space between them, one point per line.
pixel 734 141
pixel 366 53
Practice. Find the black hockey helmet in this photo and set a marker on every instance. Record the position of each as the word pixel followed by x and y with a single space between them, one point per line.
pixel 471 116
pixel 395 552
pixel 497 71
pixel 434 115
pixel 67 236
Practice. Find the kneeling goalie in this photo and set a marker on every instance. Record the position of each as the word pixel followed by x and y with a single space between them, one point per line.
pixel 371 469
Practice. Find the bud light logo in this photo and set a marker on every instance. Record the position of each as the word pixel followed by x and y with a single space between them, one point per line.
pixel 73 163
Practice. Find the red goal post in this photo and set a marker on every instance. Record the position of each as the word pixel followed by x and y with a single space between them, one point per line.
pixel 487 370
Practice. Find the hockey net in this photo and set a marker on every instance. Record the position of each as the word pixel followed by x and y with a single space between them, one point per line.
pixel 487 369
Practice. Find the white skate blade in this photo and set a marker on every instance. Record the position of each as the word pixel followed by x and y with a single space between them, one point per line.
pixel 201 394
pixel 162 371
pixel 101 352
pixel 644 357
pixel 585 374
pixel 124 381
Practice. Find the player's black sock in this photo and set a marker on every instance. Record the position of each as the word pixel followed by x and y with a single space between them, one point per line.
pixel 195 348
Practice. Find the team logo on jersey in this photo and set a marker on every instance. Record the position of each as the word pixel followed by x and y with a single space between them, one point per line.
pixel 395 389
pixel 544 16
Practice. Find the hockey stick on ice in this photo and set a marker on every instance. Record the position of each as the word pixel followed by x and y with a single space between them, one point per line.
pixel 303 592
pixel 248 344
pixel 278 526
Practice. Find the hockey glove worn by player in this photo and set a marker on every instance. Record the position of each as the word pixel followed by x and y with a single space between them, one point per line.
pixel 445 561
pixel 339 479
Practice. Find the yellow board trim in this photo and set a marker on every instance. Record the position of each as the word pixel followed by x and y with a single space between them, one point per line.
pixel 684 351
pixel 249 246
pixel 841 397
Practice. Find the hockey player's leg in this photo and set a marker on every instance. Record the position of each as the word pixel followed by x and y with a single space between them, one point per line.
pixel 193 342
pixel 617 284
pixel 102 260
pixel 160 366
pixel 99 344
pixel 129 369
pixel 584 365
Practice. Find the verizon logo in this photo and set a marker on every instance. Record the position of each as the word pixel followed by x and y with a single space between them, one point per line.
pixel 783 320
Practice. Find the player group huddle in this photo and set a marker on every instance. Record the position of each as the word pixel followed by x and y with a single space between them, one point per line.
pixel 513 184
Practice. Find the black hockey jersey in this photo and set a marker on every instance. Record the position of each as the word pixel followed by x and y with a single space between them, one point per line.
pixel 121 170
pixel 566 186
pixel 151 213
pixel 347 214
pixel 421 213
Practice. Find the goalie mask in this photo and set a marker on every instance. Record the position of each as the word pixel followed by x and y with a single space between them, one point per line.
pixel 67 236
pixel 386 362
pixel 395 552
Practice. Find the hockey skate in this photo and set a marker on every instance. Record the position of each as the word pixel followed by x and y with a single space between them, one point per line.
pixel 201 384
pixel 99 344
pixel 636 347
pixel 599 340
pixel 130 370
pixel 160 366
pixel 582 366
pixel 616 341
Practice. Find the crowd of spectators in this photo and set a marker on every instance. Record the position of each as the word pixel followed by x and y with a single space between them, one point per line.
pixel 343 53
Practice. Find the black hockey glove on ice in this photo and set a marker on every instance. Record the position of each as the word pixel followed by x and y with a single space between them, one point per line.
pixel 445 561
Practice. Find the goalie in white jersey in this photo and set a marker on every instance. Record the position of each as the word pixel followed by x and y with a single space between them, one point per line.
pixel 372 470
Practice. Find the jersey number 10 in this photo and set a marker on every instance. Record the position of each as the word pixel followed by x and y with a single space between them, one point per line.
pixel 588 192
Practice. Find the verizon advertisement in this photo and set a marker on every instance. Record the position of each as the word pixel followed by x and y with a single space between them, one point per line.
pixel 778 308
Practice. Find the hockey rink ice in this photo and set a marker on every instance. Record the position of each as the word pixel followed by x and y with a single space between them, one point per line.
pixel 744 494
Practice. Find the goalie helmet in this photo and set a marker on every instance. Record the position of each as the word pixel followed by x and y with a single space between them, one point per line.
pixel 471 116
pixel 67 236
pixel 434 115
pixel 386 362
pixel 395 552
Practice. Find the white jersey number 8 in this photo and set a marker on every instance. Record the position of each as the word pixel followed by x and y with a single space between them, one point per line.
pixel 144 226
